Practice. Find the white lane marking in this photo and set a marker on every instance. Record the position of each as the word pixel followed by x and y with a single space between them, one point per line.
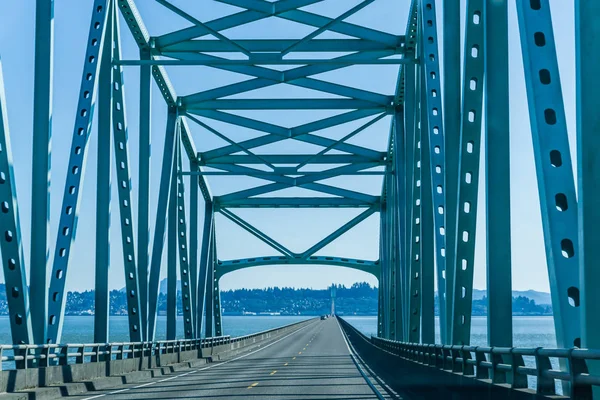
pixel 197 370
pixel 360 370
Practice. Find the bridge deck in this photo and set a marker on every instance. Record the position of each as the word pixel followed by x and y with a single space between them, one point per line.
pixel 311 363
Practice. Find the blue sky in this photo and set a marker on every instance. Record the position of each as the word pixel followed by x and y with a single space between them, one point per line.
pixel 298 229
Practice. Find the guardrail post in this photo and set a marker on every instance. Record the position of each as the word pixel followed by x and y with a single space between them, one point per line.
pixel 517 381
pixel 44 360
pixel 481 372
pixel 63 355
pixel 545 385
pixel 578 366
pixel 79 358
pixel 467 369
pixel 496 375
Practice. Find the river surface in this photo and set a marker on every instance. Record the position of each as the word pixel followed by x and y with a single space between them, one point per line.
pixel 527 331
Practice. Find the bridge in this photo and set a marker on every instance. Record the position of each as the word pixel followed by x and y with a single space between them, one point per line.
pixel 371 108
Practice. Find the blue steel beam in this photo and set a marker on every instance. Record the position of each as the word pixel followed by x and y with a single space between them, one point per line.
pixel 194 21
pixel 70 205
pixel 328 26
pixel 468 173
pixel 121 148
pixel 184 264
pixel 204 268
pixel 278 133
pixel 191 59
pixel 497 167
pixel 309 83
pixel 144 157
pixel 11 247
pixel 296 202
pixel 256 232
pixel 587 33
pixel 228 266
pixel 452 121
pixel 556 185
pixel 278 45
pixel 339 232
pixel 230 21
pixel 293 159
pixel 316 20
pixel 40 168
pixel 194 264
pixel 283 104
pixel 432 103
pixel 161 221
pixel 231 142
pixel 104 183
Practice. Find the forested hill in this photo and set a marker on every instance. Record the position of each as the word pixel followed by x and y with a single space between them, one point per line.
pixel 359 299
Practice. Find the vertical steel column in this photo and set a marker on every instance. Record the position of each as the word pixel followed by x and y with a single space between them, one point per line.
pixel 397 267
pixel 433 106
pixel 400 228
pixel 144 186
pixel 409 128
pixel 121 147
pixel 184 267
pixel 415 237
pixel 210 293
pixel 194 181
pixel 386 266
pixel 172 247
pixel 452 113
pixel 497 167
pixel 40 168
pixel 427 244
pixel 203 276
pixel 218 318
pixel 468 173
pixel 73 185
pixel 553 166
pixel 161 220
pixel 587 31
pixel 11 246
pixel 103 184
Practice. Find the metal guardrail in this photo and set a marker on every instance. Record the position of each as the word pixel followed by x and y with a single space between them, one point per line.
pixel 23 356
pixel 505 364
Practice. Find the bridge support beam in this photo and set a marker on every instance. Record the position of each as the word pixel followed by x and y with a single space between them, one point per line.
pixel 497 168
pixel 463 264
pixel 11 247
pixel 40 168
pixel 452 113
pixel 205 268
pixel 556 185
pixel 103 183
pixel 587 34
pixel 161 220
pixel 172 248
pixel 144 187
pixel 74 181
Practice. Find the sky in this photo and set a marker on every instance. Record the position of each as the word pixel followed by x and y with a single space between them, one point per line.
pixel 297 229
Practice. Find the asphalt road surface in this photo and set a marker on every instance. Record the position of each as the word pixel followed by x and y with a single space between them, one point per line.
pixel 312 363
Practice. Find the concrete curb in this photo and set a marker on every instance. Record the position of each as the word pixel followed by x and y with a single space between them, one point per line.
pixel 109 382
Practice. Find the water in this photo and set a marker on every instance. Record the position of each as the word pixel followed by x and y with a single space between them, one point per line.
pixel 527 331
pixel 79 329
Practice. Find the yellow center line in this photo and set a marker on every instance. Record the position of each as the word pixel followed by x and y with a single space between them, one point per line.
pixel 254 384
pixel 304 349
pixel 273 373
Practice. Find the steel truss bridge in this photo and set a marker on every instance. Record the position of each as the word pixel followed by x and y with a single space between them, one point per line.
pixel 447 112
